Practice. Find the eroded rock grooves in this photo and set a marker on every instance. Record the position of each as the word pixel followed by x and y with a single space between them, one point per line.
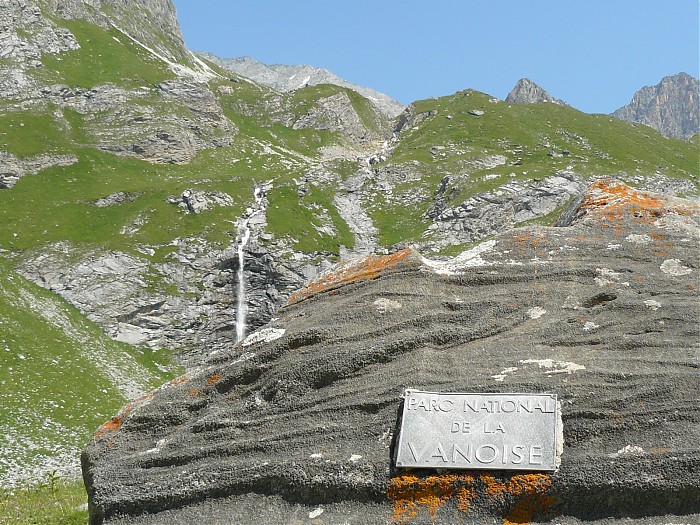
pixel 602 311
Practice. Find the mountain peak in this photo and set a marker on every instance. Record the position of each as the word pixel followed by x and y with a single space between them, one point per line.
pixel 527 92
pixel 671 107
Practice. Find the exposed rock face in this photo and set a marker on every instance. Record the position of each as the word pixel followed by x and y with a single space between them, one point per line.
pixel 194 201
pixel 672 107
pixel 132 123
pixel 298 421
pixel 336 113
pixel 21 54
pixel 289 78
pixel 498 210
pixel 114 289
pixel 13 168
pixel 527 92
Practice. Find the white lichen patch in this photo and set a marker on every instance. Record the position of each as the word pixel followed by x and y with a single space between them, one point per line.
pixel 590 325
pixel 554 367
pixel 674 267
pixel 355 458
pixel 651 303
pixel 468 259
pixel 612 246
pixel 636 238
pixel 384 305
pixel 159 446
pixel 316 513
pixel 629 450
pixel 264 335
pixel 536 312
pixel 503 373
pixel 606 276
pixel 571 303
pixel 316 456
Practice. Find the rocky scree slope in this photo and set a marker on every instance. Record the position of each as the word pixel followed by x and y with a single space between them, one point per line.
pixel 298 422
pixel 60 377
pixel 289 78
pixel 672 106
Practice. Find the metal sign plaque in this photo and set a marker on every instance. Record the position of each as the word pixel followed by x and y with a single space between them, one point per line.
pixel 478 431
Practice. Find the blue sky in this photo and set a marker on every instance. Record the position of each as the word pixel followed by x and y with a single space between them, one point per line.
pixel 594 54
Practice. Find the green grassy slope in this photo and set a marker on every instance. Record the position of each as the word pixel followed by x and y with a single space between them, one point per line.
pixel 536 140
pixel 60 378
pixel 104 57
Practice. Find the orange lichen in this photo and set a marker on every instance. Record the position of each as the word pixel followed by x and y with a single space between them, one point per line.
pixel 193 391
pixel 525 495
pixel 213 379
pixel 611 200
pixel 146 397
pixel 366 269
pixel 115 423
pixel 179 380
pixel 111 425
pixel 517 485
pixel 411 493
pixel 465 495
pixel 534 240
pixel 531 489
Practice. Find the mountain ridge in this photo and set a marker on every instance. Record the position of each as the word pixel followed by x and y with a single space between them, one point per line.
pixel 672 106
pixel 286 78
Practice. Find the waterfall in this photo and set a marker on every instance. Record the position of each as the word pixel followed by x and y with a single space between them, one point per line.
pixel 241 301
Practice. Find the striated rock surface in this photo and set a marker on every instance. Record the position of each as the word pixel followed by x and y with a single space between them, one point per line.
pixel 671 107
pixel 296 424
pixel 526 91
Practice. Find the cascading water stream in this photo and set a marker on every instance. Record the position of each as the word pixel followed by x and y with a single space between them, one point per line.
pixel 241 301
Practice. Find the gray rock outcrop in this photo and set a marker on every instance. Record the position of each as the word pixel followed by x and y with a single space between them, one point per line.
pixel 671 107
pixel 194 201
pixel 298 422
pixel 526 91
pixel 499 210
pixel 13 168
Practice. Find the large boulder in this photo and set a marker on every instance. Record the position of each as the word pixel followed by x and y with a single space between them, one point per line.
pixel 297 423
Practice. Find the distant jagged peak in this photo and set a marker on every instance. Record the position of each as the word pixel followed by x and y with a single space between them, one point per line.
pixel 671 107
pixel 286 78
pixel 527 92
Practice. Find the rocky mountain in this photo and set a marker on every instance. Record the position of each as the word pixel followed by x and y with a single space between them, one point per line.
pixel 298 423
pixel 526 91
pixel 671 107
pixel 286 78
pixel 179 205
